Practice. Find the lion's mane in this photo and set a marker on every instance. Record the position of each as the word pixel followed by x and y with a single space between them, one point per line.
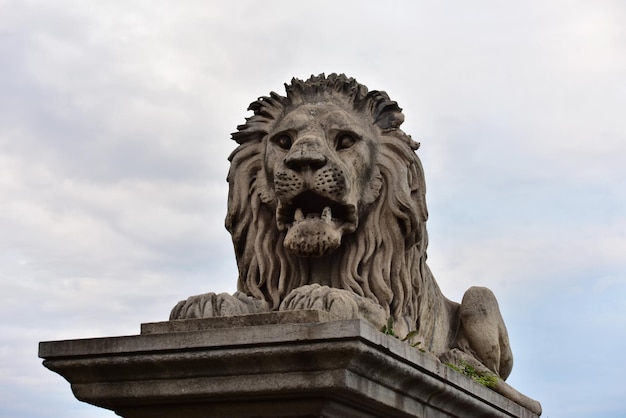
pixel 372 261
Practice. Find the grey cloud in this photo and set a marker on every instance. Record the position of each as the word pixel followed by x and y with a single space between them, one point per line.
pixel 114 127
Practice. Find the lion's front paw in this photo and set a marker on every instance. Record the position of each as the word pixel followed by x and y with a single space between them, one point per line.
pixel 322 298
pixel 212 304
pixel 342 303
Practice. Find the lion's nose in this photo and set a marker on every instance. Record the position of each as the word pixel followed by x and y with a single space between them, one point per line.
pixel 306 153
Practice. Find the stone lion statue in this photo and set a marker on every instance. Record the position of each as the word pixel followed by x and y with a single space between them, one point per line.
pixel 327 211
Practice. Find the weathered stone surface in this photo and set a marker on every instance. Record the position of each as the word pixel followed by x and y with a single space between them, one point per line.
pixel 275 318
pixel 273 365
pixel 327 211
pixel 327 214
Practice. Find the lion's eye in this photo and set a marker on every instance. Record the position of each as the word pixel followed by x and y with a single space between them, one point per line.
pixel 345 141
pixel 284 141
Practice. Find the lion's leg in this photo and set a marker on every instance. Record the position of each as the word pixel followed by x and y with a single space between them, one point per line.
pixel 210 304
pixel 482 331
pixel 458 357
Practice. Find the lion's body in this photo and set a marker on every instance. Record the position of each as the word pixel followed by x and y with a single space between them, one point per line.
pixel 327 210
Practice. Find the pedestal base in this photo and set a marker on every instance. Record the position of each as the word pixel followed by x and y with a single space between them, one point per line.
pixel 283 364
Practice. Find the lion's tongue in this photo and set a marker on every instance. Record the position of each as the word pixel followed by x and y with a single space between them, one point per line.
pixel 326 215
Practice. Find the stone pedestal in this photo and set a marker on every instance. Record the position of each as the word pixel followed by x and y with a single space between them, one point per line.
pixel 284 364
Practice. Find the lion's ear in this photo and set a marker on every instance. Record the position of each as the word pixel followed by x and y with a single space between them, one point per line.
pixel 417 186
pixel 266 194
pixel 372 191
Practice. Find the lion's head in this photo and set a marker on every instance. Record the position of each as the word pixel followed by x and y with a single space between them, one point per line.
pixel 322 184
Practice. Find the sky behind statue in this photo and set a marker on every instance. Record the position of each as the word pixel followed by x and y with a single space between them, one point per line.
pixel 115 120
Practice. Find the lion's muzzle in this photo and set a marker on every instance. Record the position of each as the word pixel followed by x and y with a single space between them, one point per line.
pixel 312 190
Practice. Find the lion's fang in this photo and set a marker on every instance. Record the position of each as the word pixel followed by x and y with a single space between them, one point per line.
pixel 298 215
pixel 327 215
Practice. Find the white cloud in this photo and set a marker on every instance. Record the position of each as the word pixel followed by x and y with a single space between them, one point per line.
pixel 114 126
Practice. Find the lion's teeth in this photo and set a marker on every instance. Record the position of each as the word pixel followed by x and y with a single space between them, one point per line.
pixel 327 215
pixel 298 215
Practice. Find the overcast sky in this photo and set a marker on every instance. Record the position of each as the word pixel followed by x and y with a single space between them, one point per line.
pixel 115 118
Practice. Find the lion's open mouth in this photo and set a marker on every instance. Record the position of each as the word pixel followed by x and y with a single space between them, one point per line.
pixel 311 206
